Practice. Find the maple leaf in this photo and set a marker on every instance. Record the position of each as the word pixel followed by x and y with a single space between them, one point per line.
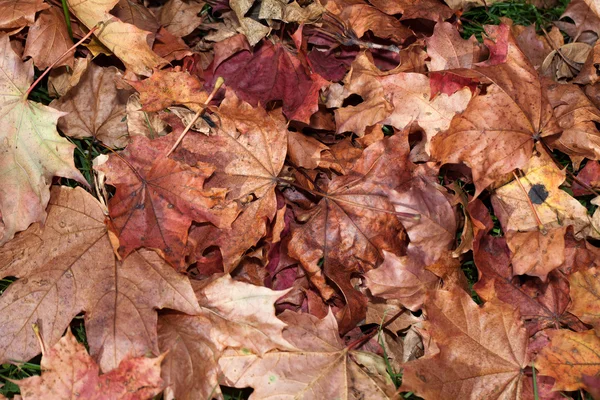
pixel 270 73
pixel 136 14
pixel 48 40
pixel 322 368
pixel 496 132
pixel 67 371
pixel 585 293
pixel 539 188
pixel 410 9
pixel 95 107
pixel 19 13
pixel 68 267
pixel 157 199
pixel 179 17
pixel 32 150
pixel 569 357
pixel 448 50
pixel 232 314
pixel 536 253
pixel 397 99
pixel 126 41
pixel 353 223
pixel 482 351
pixel 248 151
pixel 402 279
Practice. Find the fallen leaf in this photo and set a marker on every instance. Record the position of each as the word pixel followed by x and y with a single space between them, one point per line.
pixel 48 40
pixel 67 371
pixel 180 17
pixel 448 50
pixel 136 14
pixel 232 315
pixel 482 351
pixel 126 41
pixel 157 199
pixel 535 253
pixel 95 108
pixel 68 267
pixel 32 151
pixel 569 357
pixel 585 293
pixel 19 13
pixel 322 367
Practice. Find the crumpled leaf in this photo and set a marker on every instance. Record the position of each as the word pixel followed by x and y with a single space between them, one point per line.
pixel 180 17
pixel 32 151
pixel 157 199
pixel 403 279
pixel 321 368
pixel 585 296
pixel 354 222
pixel 68 371
pixel 232 314
pixel 48 40
pixel 569 357
pixel 482 351
pixel 248 151
pixel 126 41
pixel 69 267
pixel 554 207
pixel 495 134
pixel 290 12
pixel 271 73
pixel 95 107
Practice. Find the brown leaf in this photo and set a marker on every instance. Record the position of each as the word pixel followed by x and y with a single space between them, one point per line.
pixel 19 13
pixel 535 253
pixel 585 296
pixel 131 12
pixel 68 371
pixel 482 351
pixel 69 267
pixel 402 279
pixel 495 134
pixel 157 199
pixel 248 151
pixel 321 368
pixel 426 9
pixel 181 17
pixel 448 50
pixel 48 40
pixel 232 314
pixel 95 107
pixel 363 17
pixel 569 357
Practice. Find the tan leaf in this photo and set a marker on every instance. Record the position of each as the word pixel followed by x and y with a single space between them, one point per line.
pixel 232 314
pixel 126 41
pixel 321 369
pixel 482 351
pixel 536 254
pixel 61 80
pixel 448 50
pixel 96 108
pixel 68 267
pixel 19 13
pixel 181 17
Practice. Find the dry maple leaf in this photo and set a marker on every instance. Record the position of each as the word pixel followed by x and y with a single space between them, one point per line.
pixel 68 267
pixel 482 351
pixel 248 151
pixel 537 253
pixel 32 151
pixel 496 133
pixel 69 372
pixel 179 17
pixel 157 199
pixel 232 314
pixel 569 357
pixel 410 9
pixel 271 72
pixel 134 13
pixel 539 188
pixel 126 41
pixel 19 13
pixel 95 107
pixel 448 50
pixel 321 368
pixel 402 279
pixel 353 223
pixel 585 296
pixel 48 40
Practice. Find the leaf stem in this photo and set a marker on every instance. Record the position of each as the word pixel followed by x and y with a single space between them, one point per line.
pixel 373 331
pixel 47 71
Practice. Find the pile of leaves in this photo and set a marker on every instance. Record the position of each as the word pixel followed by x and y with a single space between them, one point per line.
pixel 293 197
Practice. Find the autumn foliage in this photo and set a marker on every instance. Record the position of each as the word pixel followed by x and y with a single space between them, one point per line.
pixel 304 228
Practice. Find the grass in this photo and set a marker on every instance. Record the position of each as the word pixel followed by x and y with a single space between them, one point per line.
pixel 519 12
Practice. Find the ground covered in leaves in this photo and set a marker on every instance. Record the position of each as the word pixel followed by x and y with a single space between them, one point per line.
pixel 309 199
